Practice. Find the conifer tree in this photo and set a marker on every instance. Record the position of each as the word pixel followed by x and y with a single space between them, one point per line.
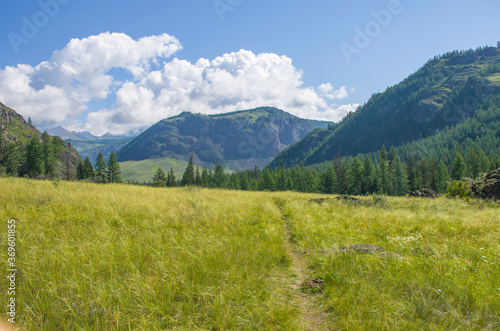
pixel 80 172
pixel 210 178
pixel 244 182
pixel 392 155
pixel 458 170
pixel 369 184
pixel 50 158
pixel 113 173
pixel 197 179
pixel 424 173
pixel 160 178
pixel 88 170
pixel 205 179
pixel 189 177
pixel 413 174
pixel 341 173
pixel 356 177
pixel 219 176
pixel 300 181
pixel 382 172
pixel 442 178
pixel 310 181
pixel 289 183
pixel 398 183
pixel 267 182
pixel 494 162
pixel 233 183
pixel 171 180
pixel 100 167
pixel 328 181
pixel 34 158
pixel 432 173
pixel 281 178
pixel 477 162
pixel 10 157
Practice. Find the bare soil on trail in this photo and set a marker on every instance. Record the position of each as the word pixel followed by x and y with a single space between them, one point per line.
pixel 313 314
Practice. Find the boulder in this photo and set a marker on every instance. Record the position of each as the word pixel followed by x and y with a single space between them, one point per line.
pixel 347 198
pixel 424 193
pixel 487 187
pixel 318 201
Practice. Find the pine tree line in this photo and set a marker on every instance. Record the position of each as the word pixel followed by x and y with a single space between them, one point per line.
pixel 38 158
pixel 102 172
pixel 388 175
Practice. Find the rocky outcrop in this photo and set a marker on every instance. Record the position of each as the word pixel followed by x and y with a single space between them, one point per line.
pixel 15 128
pixel 487 187
pixel 347 198
pixel 424 193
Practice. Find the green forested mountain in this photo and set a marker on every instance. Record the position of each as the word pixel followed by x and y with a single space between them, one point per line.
pixel 26 151
pixel 237 140
pixel 449 103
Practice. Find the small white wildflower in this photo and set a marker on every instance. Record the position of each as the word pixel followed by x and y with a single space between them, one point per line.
pixel 481 248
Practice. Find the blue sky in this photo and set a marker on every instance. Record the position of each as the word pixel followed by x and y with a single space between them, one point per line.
pixel 320 82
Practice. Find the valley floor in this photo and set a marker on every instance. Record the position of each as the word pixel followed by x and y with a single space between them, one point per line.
pixel 121 257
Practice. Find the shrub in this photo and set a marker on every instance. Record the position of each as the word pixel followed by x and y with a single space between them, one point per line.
pixel 459 188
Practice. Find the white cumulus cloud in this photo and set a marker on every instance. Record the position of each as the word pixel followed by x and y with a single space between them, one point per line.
pixel 157 86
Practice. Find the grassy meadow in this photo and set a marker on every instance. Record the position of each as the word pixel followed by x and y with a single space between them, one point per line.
pixel 144 170
pixel 118 257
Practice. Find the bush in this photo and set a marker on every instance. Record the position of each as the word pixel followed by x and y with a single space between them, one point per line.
pixel 459 188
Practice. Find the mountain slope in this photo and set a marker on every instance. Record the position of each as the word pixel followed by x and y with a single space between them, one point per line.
pixel 237 140
pixel 15 128
pixel 444 92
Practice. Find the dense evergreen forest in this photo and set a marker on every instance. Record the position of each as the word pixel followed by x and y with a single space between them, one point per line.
pixel 35 159
pixel 39 158
pixel 389 175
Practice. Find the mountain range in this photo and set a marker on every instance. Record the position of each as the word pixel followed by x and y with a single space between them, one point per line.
pixel 447 105
pixel 237 140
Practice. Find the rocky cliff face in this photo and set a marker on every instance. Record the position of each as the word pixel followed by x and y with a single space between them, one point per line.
pixel 17 129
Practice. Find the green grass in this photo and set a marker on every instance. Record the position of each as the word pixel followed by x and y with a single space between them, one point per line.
pixel 448 278
pixel 494 77
pixel 120 257
pixel 144 170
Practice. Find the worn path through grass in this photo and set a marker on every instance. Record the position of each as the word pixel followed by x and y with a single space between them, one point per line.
pixel 313 315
